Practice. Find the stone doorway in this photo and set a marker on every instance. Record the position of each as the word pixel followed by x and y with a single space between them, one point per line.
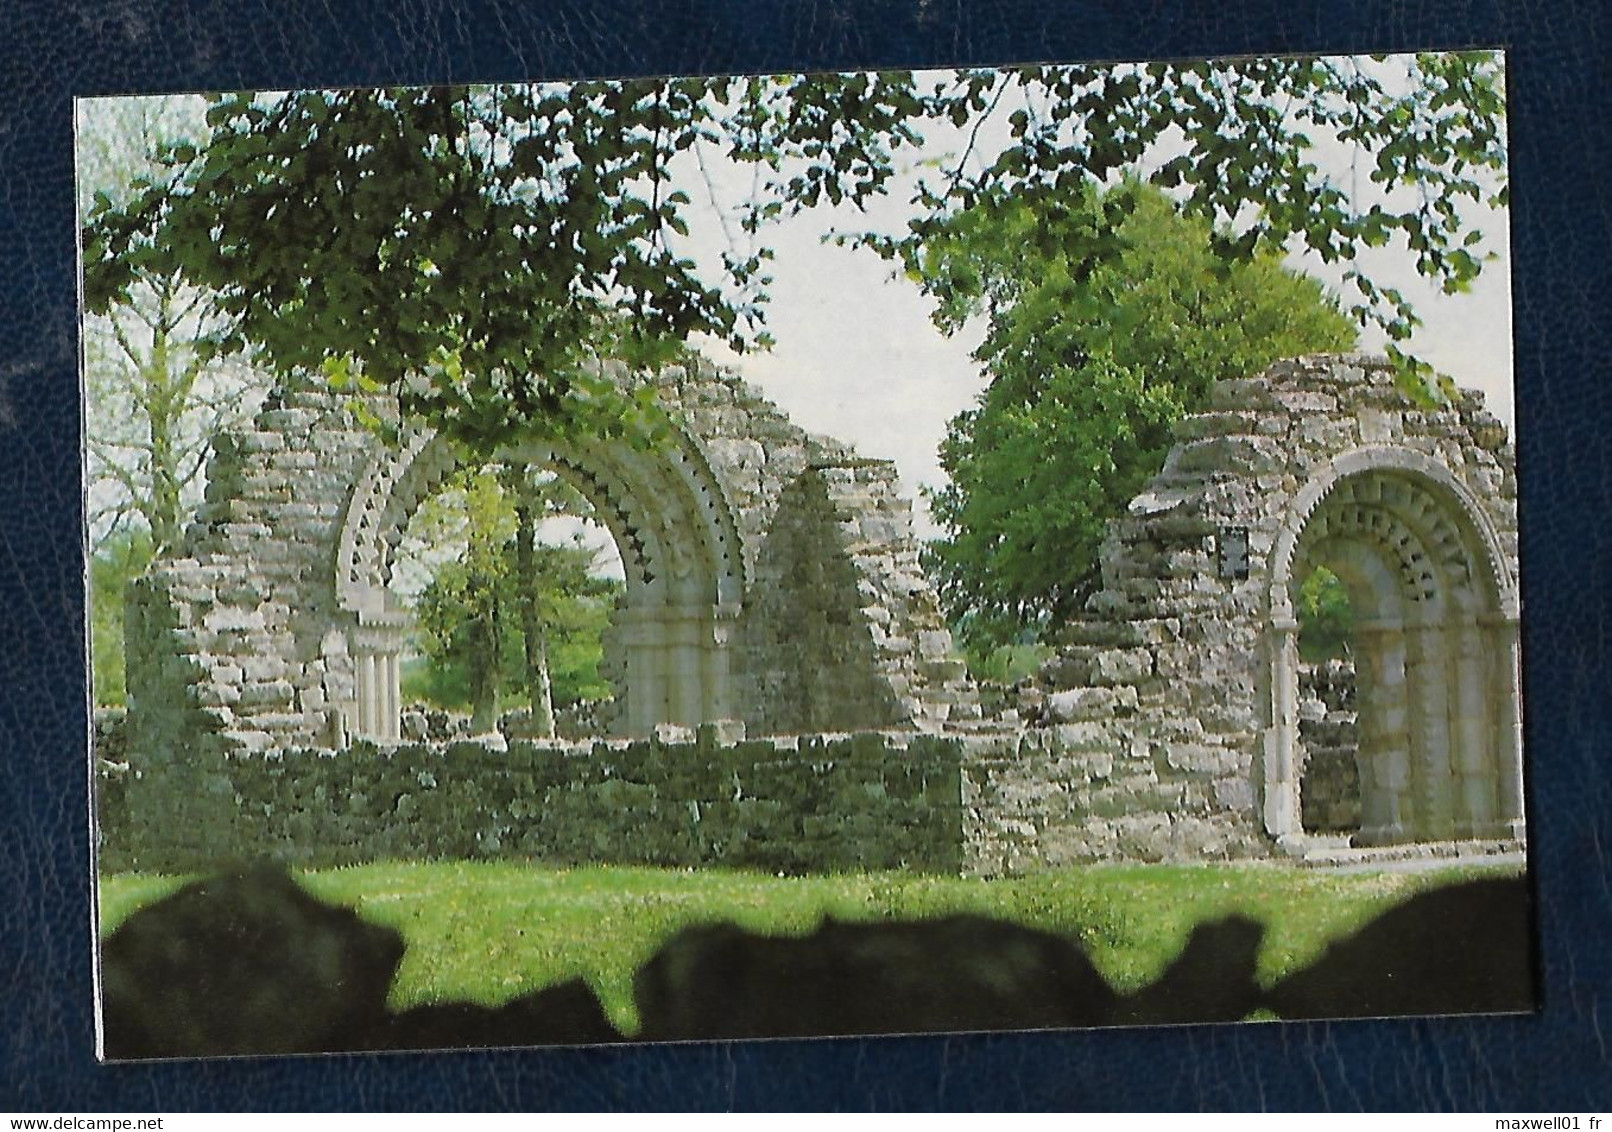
pixel 1435 650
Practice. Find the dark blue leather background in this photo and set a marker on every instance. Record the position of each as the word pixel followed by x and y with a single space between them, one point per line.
pixel 52 50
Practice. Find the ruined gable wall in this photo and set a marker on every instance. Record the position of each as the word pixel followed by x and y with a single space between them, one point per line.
pixel 246 644
pixel 817 523
pixel 1156 705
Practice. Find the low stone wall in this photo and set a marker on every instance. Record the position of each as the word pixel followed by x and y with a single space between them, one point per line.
pixel 1078 792
pixel 819 804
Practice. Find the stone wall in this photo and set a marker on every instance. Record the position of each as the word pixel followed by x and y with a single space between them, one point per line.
pixel 820 803
pixel 1328 763
pixel 1099 789
pixel 1168 720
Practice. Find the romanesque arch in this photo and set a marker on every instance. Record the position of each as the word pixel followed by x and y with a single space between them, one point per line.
pixel 670 642
pixel 271 628
pixel 1169 717
pixel 1436 650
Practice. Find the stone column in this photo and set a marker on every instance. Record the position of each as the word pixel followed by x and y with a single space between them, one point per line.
pixel 687 670
pixel 716 663
pixel 1506 684
pixel 1427 682
pixel 1474 734
pixel 392 721
pixel 368 702
pixel 1281 778
pixel 1381 705
pixel 642 637
pixel 377 642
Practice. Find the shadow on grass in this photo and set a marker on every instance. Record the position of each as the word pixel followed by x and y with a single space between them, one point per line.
pixel 250 963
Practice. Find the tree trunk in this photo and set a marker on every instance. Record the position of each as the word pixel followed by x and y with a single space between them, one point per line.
pixel 543 689
pixel 538 685
pixel 485 678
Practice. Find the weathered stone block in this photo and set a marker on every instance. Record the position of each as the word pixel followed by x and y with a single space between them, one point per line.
pixel 1237 455
pixel 268 693
pixel 1198 758
pixel 1241 394
pixel 1077 704
pixel 1121 666
pixel 1142 837
pixel 1236 794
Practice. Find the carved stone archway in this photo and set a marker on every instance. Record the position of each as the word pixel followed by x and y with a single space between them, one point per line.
pixel 670 641
pixel 270 628
pixel 1436 650
pixel 1170 712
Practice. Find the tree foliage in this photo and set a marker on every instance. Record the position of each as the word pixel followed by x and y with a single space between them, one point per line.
pixel 481 249
pixel 1092 362
pixel 1326 617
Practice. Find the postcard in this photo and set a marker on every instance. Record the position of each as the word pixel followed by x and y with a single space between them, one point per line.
pixel 794 555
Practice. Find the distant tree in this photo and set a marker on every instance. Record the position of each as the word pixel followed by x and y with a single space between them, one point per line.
pixel 157 388
pixel 462 613
pixel 1092 359
pixel 1325 616
pixel 120 556
pixel 548 580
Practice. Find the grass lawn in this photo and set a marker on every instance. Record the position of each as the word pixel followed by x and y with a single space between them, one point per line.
pixel 488 931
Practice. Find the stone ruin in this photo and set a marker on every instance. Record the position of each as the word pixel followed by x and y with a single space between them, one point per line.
pixel 1328 759
pixel 787 693
pixel 1172 709
pixel 748 545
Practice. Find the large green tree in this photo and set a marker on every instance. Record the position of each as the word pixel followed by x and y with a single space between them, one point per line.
pixel 479 250
pixel 1092 359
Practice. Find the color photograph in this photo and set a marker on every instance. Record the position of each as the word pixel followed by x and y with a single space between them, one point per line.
pixel 802 555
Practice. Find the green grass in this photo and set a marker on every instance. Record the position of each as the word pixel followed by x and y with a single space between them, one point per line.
pixel 488 931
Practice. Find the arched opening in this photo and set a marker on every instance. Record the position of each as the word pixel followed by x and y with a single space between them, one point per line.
pixel 510 584
pixel 1434 650
pixel 667 651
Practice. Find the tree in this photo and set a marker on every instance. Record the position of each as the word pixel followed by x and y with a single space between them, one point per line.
pixel 1092 362
pixel 548 580
pixel 1325 616
pixel 510 612
pixel 480 250
pixel 156 392
pixel 463 611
